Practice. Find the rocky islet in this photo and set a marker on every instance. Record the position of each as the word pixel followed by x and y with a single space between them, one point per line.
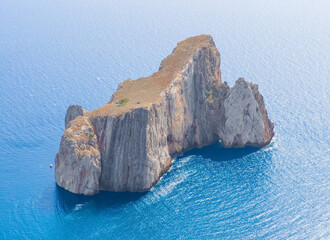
pixel 129 143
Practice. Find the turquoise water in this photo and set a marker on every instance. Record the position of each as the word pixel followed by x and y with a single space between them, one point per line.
pixel 58 53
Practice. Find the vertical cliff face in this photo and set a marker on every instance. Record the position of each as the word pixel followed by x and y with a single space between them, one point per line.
pixel 122 142
pixel 245 117
pixel 78 162
pixel 190 100
pixel 129 143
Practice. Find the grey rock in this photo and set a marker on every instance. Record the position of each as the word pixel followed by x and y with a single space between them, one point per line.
pixel 150 121
pixel 72 113
pixel 78 162
pixel 246 121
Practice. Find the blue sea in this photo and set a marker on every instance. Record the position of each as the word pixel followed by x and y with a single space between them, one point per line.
pixel 56 53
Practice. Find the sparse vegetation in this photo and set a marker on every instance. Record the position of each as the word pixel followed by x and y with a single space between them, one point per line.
pixel 91 135
pixel 123 101
pixel 210 97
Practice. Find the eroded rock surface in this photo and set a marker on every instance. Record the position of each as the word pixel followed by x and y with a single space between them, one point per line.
pixel 78 162
pixel 129 143
pixel 245 117
pixel 73 112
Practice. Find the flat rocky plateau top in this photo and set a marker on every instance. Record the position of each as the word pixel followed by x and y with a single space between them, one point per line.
pixel 143 92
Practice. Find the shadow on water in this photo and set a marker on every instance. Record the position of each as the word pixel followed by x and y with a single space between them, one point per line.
pixel 218 153
pixel 68 201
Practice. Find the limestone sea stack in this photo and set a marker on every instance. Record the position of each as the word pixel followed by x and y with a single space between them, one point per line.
pixel 129 143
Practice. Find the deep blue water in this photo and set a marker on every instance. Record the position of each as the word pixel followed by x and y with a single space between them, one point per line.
pixel 56 53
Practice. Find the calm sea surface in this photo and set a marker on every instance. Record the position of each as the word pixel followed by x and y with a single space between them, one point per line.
pixel 56 53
